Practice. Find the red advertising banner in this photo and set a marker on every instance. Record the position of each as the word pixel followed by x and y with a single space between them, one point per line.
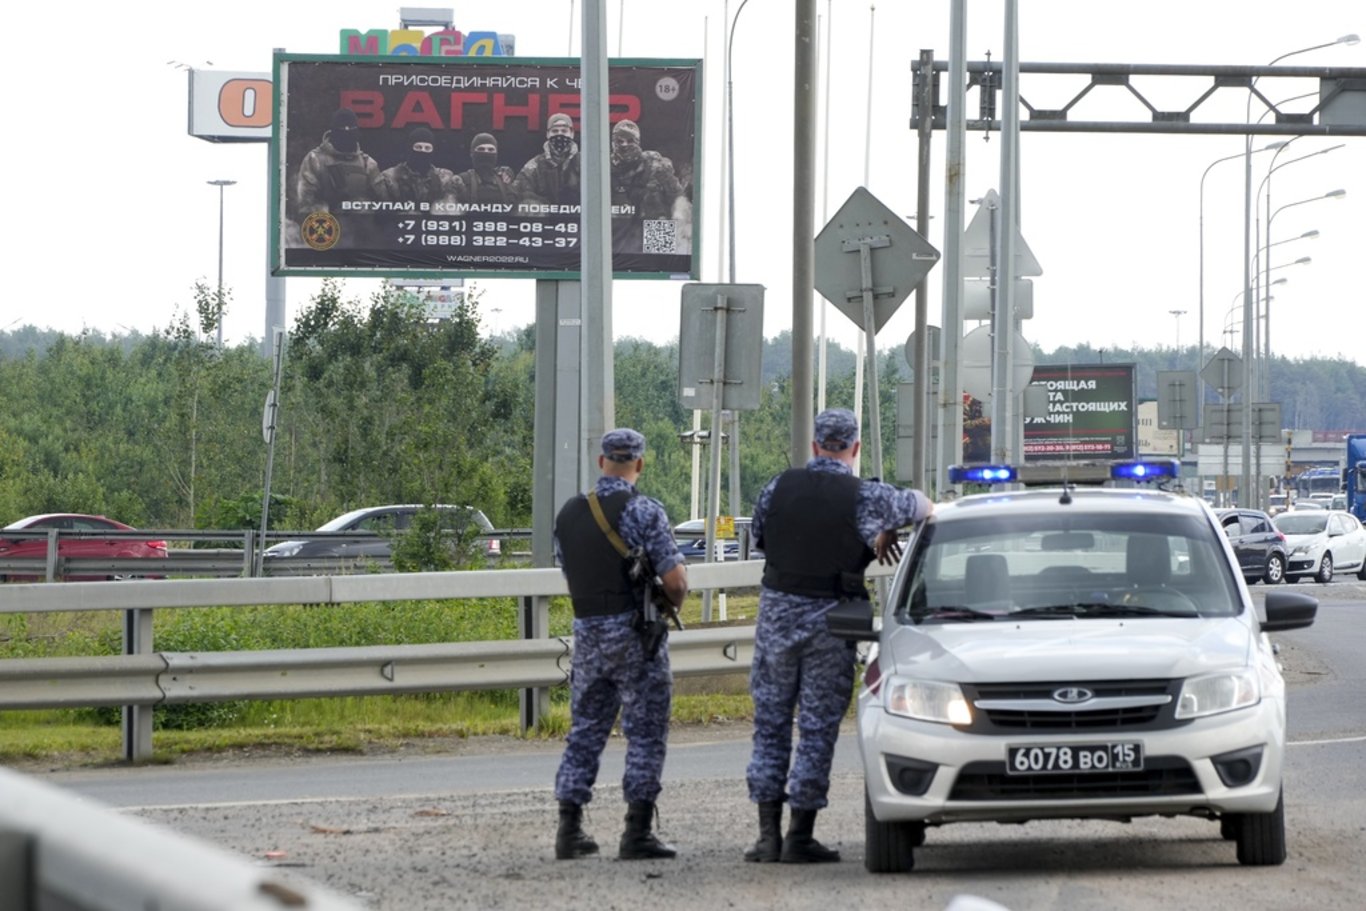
pixel 469 166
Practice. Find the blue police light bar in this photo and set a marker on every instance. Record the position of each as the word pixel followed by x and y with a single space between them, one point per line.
pixel 1150 470
pixel 982 474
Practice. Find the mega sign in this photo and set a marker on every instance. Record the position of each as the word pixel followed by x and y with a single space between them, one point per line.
pixel 410 42
pixel 408 166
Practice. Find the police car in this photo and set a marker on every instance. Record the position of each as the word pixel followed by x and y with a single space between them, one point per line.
pixel 1087 649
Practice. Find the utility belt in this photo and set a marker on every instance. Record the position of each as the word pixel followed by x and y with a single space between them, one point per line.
pixel 822 585
pixel 601 606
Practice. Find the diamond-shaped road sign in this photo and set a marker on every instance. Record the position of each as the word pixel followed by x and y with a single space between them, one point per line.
pixel 1224 372
pixel 977 244
pixel 900 258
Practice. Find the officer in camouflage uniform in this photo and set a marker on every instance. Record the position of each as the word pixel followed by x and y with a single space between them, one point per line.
pixel 644 187
pixel 417 178
pixel 553 176
pixel 487 181
pixel 612 672
pixel 819 527
pixel 337 171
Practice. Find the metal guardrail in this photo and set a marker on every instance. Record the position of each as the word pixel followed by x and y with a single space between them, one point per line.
pixel 58 850
pixel 141 679
pixel 168 678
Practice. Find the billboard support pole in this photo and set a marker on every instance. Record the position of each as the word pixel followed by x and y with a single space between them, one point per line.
pixel 599 407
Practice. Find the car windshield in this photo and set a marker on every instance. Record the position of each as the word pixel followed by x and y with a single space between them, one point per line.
pixel 1054 566
pixel 1302 523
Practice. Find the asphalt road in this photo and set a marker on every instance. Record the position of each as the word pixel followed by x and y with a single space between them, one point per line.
pixel 472 826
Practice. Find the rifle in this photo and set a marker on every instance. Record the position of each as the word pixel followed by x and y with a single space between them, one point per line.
pixel 651 623
pixel 657 611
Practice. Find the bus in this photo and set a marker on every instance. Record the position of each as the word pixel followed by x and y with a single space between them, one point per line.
pixel 1320 481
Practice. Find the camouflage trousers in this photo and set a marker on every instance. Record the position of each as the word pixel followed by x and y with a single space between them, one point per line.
pixel 799 669
pixel 611 674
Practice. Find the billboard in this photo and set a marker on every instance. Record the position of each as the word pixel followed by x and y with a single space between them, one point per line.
pixel 469 166
pixel 1090 413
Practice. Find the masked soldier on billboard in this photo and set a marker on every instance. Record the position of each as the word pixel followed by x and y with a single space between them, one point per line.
pixel 487 181
pixel 645 191
pixel 417 178
pixel 338 171
pixel 552 177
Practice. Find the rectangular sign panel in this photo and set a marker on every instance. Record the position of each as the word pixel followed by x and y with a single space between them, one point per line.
pixel 1090 413
pixel 403 166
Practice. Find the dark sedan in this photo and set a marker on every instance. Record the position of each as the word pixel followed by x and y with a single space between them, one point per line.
pixel 1259 544
pixel 370 532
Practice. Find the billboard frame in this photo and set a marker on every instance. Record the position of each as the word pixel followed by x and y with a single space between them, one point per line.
pixel 284 157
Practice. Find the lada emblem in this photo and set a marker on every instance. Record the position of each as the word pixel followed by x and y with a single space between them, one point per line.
pixel 1071 695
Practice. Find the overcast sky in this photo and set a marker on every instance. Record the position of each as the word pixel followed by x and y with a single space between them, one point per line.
pixel 112 222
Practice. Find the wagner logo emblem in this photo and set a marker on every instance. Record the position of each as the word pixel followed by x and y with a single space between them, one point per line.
pixel 320 230
pixel 1071 695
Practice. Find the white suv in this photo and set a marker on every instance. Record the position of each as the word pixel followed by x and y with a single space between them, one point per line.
pixel 1072 653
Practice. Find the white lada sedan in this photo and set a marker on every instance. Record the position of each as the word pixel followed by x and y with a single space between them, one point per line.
pixel 1072 652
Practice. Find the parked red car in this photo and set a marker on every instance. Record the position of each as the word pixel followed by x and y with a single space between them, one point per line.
pixel 72 545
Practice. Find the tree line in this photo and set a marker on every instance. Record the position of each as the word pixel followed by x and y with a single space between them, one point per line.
pixel 381 405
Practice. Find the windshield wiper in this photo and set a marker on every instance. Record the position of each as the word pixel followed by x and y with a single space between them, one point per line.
pixel 1100 608
pixel 952 612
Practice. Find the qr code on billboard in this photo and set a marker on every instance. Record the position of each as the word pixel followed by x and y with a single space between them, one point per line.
pixel 658 236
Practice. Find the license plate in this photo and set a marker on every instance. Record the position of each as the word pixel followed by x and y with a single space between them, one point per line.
pixel 1074 758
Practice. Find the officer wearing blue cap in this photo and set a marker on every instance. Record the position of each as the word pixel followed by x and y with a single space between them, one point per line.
pixel 819 527
pixel 612 671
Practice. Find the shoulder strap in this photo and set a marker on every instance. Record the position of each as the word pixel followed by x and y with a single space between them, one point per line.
pixel 608 530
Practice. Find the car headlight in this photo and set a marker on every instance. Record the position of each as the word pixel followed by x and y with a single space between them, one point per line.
pixel 285 549
pixel 1212 694
pixel 926 700
pixel 1302 548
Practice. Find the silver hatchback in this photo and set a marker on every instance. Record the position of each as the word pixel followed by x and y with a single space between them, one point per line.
pixel 1071 653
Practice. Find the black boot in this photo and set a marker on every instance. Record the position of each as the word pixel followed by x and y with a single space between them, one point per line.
pixel 799 847
pixel 571 840
pixel 769 848
pixel 638 842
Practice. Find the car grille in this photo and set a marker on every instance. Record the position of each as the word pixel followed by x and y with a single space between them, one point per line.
pixel 1161 776
pixel 1037 709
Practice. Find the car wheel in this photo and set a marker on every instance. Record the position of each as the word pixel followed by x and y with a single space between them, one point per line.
pixel 888 845
pixel 1325 573
pixel 1261 837
pixel 1228 828
pixel 1275 570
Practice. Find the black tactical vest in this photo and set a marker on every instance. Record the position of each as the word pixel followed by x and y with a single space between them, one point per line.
pixel 811 542
pixel 598 584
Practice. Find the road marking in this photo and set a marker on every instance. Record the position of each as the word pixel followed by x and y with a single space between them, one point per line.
pixel 1314 743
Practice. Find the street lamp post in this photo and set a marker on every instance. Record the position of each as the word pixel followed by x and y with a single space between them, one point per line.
pixel 1178 314
pixel 1245 486
pixel 730 142
pixel 1200 318
pixel 1263 384
pixel 218 301
pixel 1264 376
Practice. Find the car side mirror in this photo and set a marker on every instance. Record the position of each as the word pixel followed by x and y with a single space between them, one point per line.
pixel 853 620
pixel 1289 610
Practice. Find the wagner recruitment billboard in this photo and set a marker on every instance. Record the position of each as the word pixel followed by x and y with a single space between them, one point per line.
pixel 1090 413
pixel 470 166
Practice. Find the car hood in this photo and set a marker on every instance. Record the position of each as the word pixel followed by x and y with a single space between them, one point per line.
pixel 1070 649
pixel 1309 540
